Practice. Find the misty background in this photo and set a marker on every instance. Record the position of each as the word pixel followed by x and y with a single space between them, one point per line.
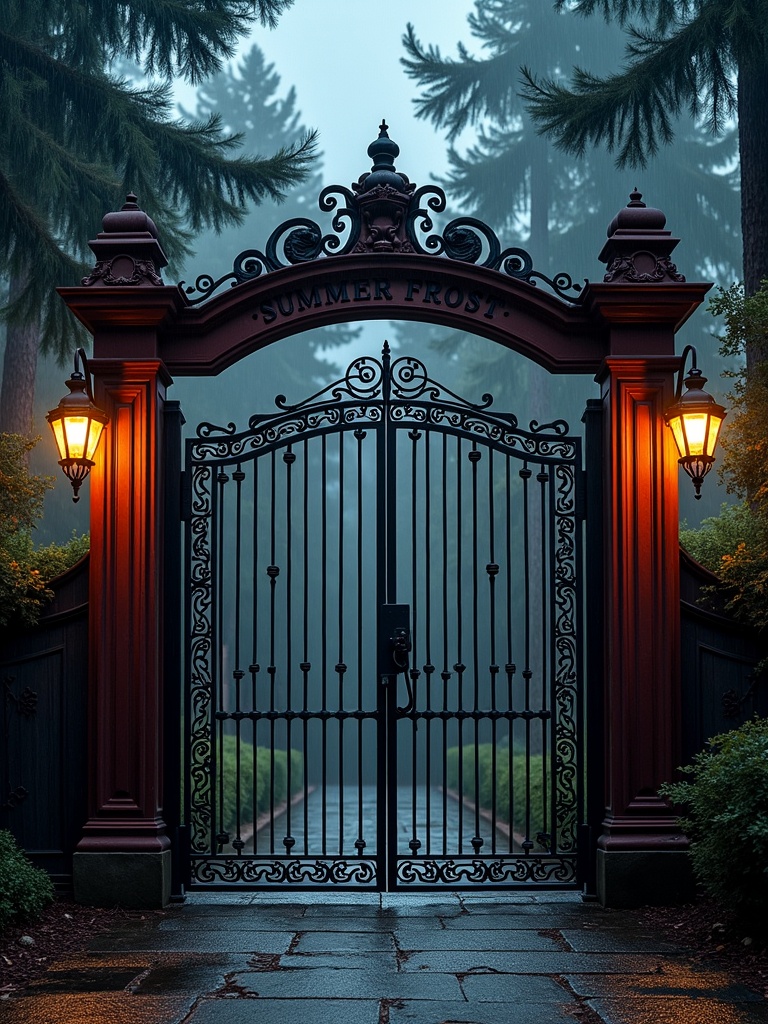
pixel 341 72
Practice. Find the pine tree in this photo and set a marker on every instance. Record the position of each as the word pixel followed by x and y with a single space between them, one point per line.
pixel 89 136
pixel 510 176
pixel 248 97
pixel 706 57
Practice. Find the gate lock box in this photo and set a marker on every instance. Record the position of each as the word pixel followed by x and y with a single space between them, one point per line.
pixel 394 639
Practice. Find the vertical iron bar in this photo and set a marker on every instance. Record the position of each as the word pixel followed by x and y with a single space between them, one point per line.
pixel 547 637
pixel 221 479
pixel 238 476
pixel 360 843
pixel 324 637
pixel 390 490
pixel 429 668
pixel 272 572
pixel 254 666
pixel 305 665
pixel 525 474
pixel 474 458
pixel 445 675
pixel 288 458
pixel 459 666
pixel 415 843
pixel 492 570
pixel 383 684
pixel 340 666
pixel 510 666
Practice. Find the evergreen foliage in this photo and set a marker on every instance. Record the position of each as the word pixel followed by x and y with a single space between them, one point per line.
pixel 726 818
pixel 510 176
pixel 91 136
pixel 249 98
pixel 708 58
pixel 24 889
pixel 735 544
pixel 25 571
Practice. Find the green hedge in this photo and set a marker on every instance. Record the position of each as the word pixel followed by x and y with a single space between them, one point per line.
pixel 503 793
pixel 24 889
pixel 256 800
pixel 726 802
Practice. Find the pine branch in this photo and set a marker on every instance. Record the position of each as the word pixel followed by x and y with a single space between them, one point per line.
pixel 458 92
pixel 661 14
pixel 632 111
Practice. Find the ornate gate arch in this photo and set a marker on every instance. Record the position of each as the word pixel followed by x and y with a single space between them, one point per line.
pixel 382 259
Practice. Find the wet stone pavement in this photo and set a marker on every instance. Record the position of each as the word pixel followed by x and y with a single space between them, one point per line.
pixel 383 959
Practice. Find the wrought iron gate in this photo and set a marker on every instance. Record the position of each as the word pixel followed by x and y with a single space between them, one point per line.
pixel 384 653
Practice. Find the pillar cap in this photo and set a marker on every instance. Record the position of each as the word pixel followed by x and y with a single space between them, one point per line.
pixel 129 219
pixel 638 246
pixel 127 251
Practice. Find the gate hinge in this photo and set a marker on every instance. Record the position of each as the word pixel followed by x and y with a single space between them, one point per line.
pixel 185 496
pixel 581 494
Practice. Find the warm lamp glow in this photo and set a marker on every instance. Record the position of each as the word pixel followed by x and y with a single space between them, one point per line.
pixel 695 420
pixel 77 425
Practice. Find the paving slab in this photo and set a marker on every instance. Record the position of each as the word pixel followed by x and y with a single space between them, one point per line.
pixel 514 962
pixel 210 940
pixel 513 989
pixel 439 938
pixel 387 961
pixel 284 1011
pixel 411 1012
pixel 347 983
pixel 421 959
pixel 617 940
pixel 329 941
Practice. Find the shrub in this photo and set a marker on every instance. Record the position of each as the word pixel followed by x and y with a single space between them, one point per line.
pixel 726 803
pixel 516 799
pixel 255 799
pixel 24 889
pixel 25 570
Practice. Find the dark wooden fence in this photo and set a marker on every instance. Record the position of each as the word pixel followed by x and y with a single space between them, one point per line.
pixel 718 658
pixel 43 764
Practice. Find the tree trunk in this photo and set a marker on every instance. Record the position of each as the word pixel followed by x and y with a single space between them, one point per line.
pixel 753 153
pixel 540 201
pixel 17 395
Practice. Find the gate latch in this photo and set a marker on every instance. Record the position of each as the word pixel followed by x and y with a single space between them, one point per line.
pixel 401 648
pixel 395 633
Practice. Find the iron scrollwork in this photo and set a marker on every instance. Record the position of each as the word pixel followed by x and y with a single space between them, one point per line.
pixel 383 212
pixel 378 394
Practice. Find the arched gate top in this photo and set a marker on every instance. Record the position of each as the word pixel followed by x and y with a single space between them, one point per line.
pixel 383 258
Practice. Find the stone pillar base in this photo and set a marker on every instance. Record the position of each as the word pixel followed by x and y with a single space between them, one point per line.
pixel 141 880
pixel 636 878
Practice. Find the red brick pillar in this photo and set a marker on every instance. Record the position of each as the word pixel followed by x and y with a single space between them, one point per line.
pixel 124 855
pixel 641 855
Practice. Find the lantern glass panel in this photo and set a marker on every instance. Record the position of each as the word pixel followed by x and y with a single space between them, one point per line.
pixel 696 431
pixel 715 422
pixel 58 432
pixel 77 435
pixel 676 426
pixel 93 439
